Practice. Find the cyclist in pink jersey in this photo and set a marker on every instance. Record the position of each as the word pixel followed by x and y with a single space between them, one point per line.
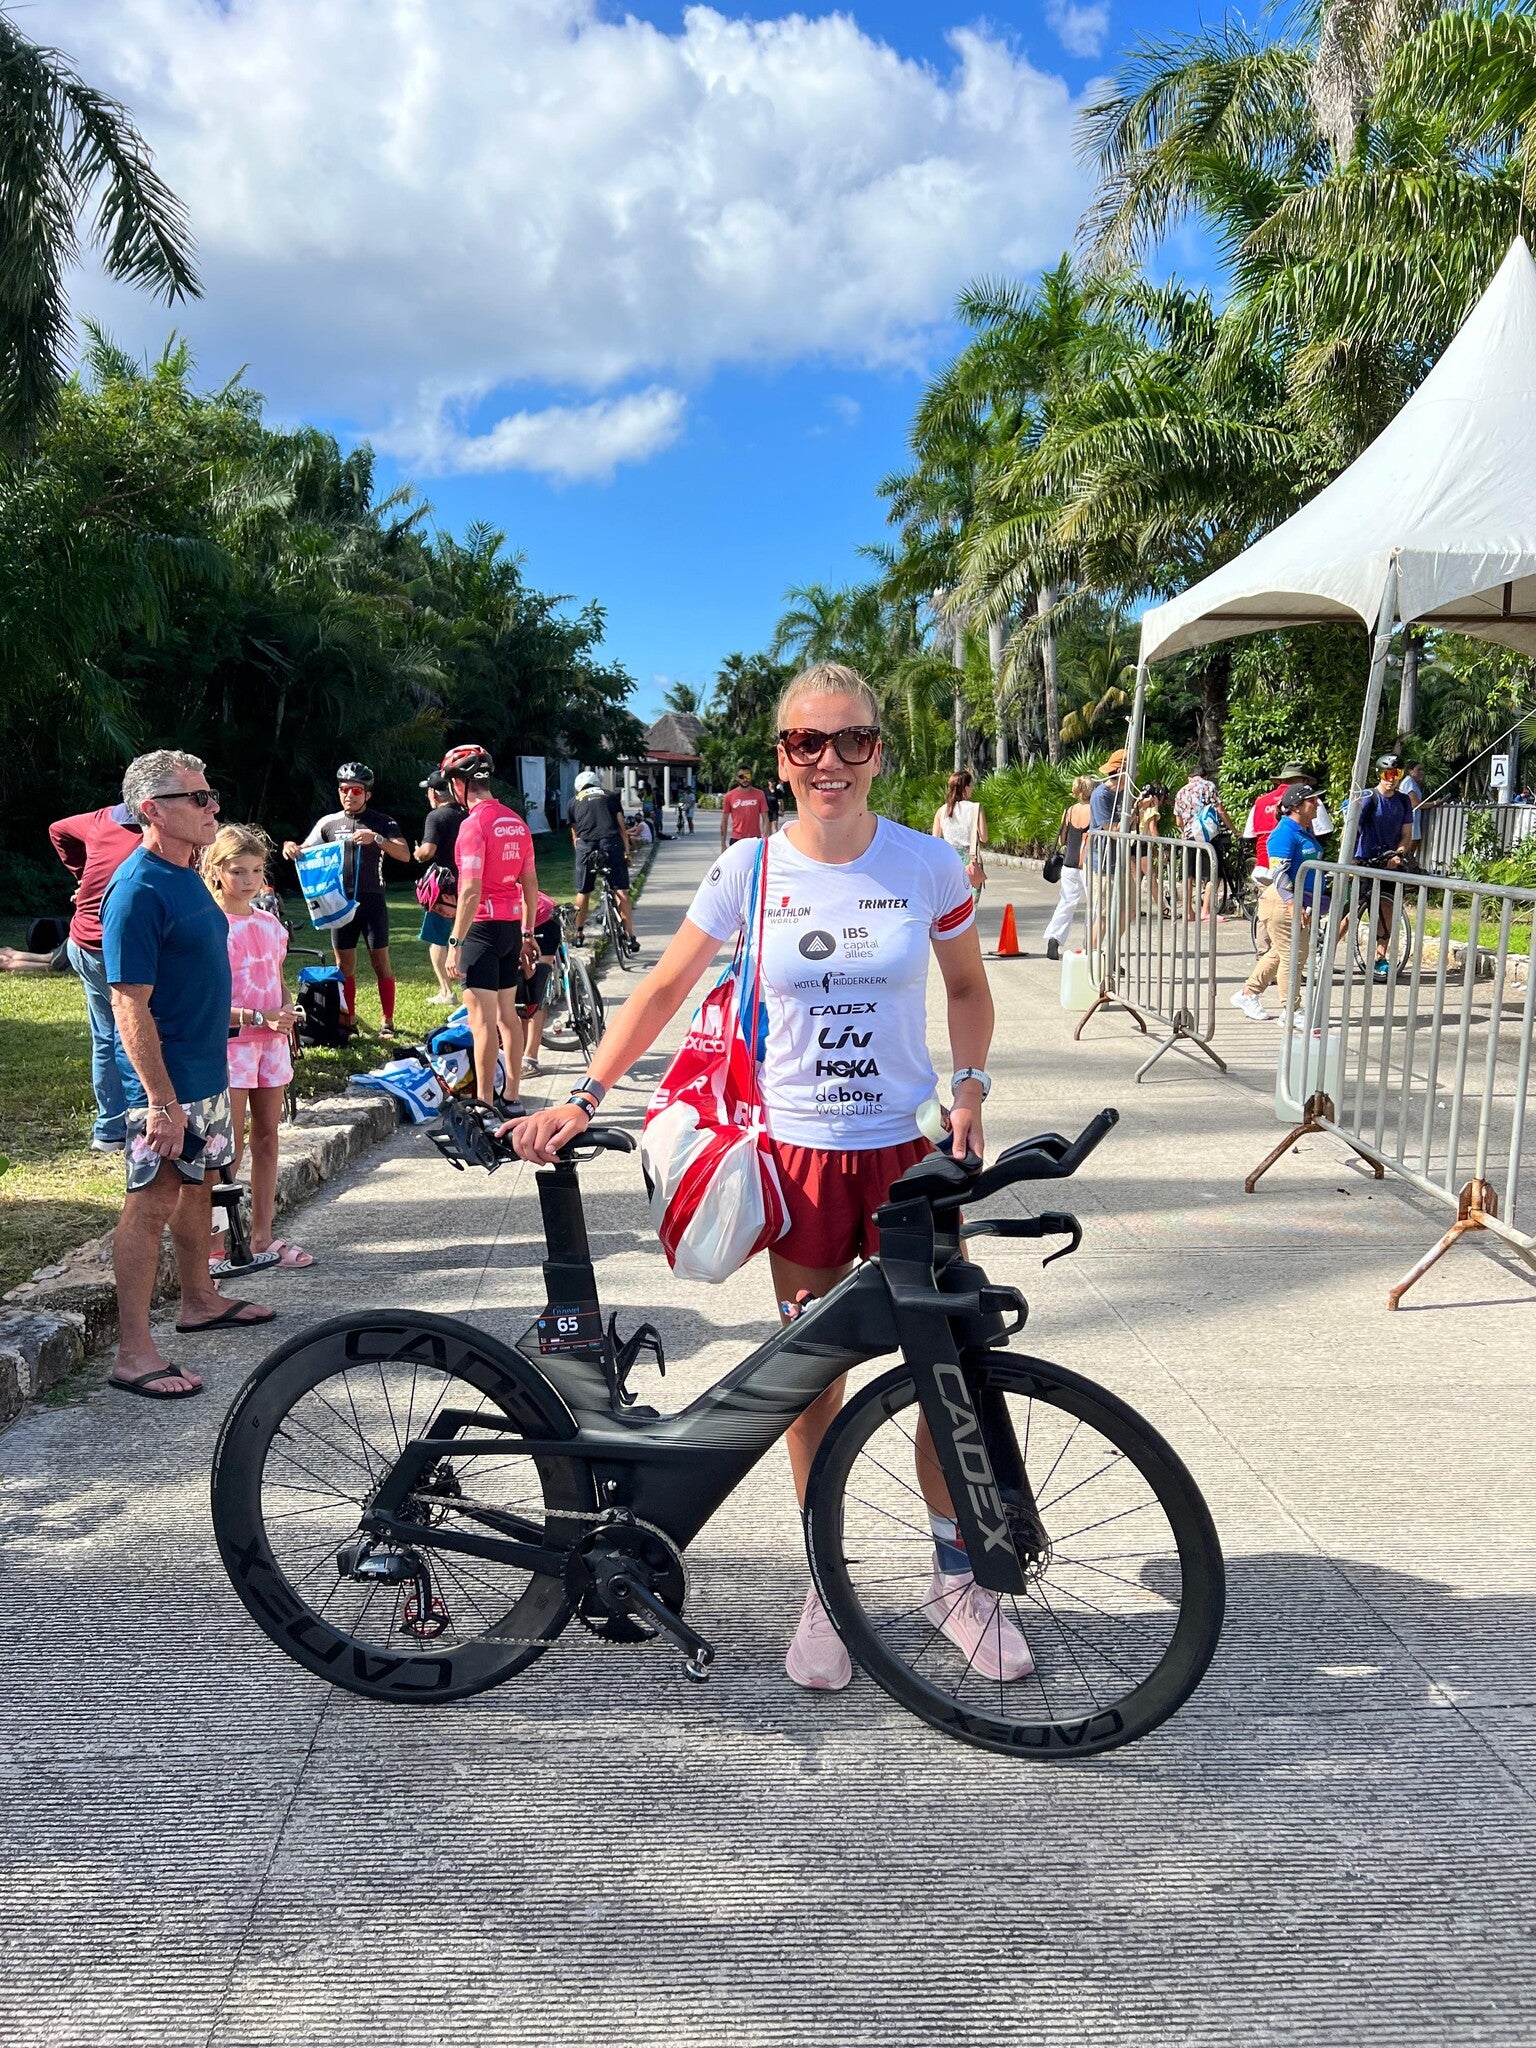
pixel 498 896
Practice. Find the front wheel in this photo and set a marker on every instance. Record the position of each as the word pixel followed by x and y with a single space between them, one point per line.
pixel 1125 1583
pixel 306 1446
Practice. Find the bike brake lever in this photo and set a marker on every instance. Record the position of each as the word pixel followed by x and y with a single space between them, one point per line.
pixel 1056 1223
pixel 1053 1223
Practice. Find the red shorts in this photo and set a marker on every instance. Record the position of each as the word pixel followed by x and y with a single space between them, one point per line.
pixel 832 1198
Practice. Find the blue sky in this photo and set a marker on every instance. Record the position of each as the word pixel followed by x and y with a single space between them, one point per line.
pixel 652 289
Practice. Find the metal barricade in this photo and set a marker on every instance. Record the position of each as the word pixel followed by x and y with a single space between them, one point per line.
pixel 1411 1038
pixel 1152 936
pixel 1444 830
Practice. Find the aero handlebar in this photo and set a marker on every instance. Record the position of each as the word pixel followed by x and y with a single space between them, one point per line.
pixel 466 1136
pixel 951 1184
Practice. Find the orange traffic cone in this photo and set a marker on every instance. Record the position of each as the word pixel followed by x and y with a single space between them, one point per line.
pixel 1008 937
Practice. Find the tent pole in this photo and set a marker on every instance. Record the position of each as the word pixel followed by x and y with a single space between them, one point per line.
pixel 1133 745
pixel 1386 619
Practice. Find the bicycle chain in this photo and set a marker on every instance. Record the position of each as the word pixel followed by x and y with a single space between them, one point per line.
pixel 599 1516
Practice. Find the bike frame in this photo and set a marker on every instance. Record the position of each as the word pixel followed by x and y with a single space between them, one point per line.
pixel 919 1298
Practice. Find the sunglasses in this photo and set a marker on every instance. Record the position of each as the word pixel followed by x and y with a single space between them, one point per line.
pixel 205 799
pixel 351 789
pixel 854 745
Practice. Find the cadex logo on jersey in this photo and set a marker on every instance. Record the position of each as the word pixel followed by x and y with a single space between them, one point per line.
pixel 817 945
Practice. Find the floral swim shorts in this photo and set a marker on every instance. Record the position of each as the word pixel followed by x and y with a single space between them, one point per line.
pixel 208 1119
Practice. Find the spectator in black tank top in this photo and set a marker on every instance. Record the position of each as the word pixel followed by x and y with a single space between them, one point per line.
pixel 1075 821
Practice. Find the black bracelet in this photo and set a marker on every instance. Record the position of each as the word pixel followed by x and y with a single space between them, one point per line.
pixel 584 1102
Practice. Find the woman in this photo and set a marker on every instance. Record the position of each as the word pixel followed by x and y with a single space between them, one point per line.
pixel 875 898
pixel 1075 820
pixel 963 823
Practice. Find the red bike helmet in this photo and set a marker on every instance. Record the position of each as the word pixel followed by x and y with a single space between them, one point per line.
pixel 467 764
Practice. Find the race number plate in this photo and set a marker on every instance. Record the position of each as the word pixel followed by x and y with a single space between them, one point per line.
pixel 569 1329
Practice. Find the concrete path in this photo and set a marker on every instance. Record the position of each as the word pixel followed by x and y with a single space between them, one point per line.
pixel 1332 1844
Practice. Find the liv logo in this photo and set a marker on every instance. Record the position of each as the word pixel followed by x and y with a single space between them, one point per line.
pixel 818 945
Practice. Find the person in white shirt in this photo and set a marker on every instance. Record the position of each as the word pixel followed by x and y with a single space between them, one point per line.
pixel 855 907
pixel 962 822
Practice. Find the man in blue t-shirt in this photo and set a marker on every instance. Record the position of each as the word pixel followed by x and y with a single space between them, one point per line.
pixel 1385 841
pixel 1292 842
pixel 165 952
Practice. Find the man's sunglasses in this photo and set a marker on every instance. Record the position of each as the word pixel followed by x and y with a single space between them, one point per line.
pixel 205 799
pixel 854 744
pixel 351 789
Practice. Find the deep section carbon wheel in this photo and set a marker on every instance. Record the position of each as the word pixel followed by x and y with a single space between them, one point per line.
pixel 586 1008
pixel 304 1450
pixel 1125 1594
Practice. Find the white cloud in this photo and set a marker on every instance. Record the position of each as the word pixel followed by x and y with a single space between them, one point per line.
pixel 572 443
pixel 1079 29
pixel 403 209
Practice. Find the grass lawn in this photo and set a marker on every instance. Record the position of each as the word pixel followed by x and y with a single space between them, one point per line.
pixel 56 1192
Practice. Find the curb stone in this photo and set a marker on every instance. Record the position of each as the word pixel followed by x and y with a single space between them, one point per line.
pixel 68 1311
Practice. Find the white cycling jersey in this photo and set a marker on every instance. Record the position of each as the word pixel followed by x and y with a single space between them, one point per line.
pixel 845 975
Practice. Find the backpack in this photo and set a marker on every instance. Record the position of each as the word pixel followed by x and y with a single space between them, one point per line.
pixel 451 1055
pixel 1208 823
pixel 323 1001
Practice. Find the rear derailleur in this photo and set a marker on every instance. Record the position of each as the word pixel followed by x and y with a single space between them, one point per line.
pixel 627 1583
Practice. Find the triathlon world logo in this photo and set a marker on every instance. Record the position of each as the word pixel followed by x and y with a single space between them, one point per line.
pixel 818 945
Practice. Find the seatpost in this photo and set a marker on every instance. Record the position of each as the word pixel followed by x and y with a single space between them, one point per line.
pixel 572 1319
pixel 908 1247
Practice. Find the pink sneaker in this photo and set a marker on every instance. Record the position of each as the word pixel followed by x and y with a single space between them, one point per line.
pixel 968 1615
pixel 816 1658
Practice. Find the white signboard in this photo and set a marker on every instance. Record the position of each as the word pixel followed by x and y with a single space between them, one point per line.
pixel 1498 771
pixel 530 773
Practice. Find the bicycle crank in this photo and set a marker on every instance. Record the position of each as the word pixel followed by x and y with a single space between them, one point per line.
pixel 627 1583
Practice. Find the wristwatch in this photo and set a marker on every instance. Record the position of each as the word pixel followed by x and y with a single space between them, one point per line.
pixel 971 1074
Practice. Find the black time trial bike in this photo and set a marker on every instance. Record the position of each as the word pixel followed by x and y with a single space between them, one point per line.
pixel 415 1511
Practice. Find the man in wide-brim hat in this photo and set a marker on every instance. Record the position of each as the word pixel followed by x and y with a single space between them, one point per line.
pixel 1265 815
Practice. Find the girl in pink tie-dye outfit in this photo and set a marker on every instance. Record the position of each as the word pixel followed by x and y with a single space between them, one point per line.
pixel 261 1015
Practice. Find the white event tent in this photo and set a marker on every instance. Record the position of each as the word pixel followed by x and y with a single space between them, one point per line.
pixel 1435 523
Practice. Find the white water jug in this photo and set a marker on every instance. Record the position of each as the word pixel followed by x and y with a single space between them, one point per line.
pixel 1079 990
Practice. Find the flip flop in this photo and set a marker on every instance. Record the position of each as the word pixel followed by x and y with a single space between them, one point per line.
pixel 144 1386
pixel 231 1319
pixel 292 1256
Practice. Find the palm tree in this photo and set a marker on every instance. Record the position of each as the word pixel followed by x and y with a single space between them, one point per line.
pixel 685 698
pixel 63 148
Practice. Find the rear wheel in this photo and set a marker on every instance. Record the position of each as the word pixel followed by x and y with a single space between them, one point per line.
pixel 586 1008
pixel 618 940
pixel 1125 1594
pixel 302 1453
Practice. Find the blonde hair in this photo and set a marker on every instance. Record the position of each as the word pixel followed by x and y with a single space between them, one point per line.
pixel 827 679
pixel 233 842
pixel 1082 789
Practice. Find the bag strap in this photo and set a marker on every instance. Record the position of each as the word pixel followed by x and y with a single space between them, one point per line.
pixel 760 888
pixel 975 833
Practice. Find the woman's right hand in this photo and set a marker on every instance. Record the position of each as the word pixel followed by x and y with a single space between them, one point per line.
pixel 540 1137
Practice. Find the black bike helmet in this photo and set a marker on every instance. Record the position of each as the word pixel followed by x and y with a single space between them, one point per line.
pixel 355 771
pixel 467 764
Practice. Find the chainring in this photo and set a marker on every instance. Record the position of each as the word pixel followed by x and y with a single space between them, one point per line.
pixel 606 1552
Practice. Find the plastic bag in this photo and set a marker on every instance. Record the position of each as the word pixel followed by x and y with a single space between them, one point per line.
pixel 715 1194
pixel 322 873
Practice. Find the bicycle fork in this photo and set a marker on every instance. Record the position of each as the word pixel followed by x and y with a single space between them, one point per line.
pixel 972 1435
